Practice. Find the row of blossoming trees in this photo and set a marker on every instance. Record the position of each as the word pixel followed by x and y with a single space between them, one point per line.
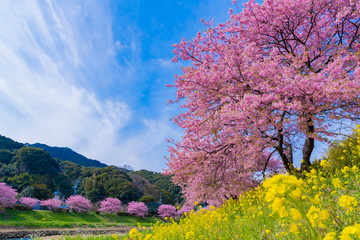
pixel 81 204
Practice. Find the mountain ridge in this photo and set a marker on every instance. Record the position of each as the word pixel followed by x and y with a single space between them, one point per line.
pixel 67 154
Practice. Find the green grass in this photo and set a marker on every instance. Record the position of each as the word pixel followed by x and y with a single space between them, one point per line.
pixel 42 218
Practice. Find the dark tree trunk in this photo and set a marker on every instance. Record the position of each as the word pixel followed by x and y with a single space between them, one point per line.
pixel 287 160
pixel 308 147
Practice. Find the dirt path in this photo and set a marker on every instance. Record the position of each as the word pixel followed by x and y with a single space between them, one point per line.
pixel 55 233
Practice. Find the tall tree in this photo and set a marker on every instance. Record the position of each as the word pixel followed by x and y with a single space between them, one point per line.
pixel 274 78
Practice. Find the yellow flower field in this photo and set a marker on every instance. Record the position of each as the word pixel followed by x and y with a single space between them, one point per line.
pixel 320 204
pixel 323 205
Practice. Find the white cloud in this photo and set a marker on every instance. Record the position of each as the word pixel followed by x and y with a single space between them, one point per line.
pixel 145 150
pixel 56 57
pixel 43 56
pixel 165 63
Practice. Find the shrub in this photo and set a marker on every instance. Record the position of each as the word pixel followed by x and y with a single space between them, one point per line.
pixel 22 207
pixel 147 198
pixel 137 208
pixel 346 152
pixel 60 210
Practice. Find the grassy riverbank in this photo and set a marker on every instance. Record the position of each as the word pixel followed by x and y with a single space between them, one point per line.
pixel 42 218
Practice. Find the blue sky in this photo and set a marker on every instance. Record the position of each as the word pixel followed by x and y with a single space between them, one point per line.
pixel 92 75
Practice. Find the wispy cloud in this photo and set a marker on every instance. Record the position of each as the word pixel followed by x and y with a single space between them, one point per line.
pixel 48 55
pixel 65 80
pixel 91 75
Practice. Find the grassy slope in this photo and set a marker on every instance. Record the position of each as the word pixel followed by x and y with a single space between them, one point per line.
pixel 41 218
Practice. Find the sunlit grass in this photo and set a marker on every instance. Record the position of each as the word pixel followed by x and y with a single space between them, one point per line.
pixel 42 218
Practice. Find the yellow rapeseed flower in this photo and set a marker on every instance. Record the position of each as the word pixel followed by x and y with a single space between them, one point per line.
pixel 337 183
pixel 295 214
pixel 190 235
pixel 330 236
pixel 348 202
pixel 279 184
pixel 134 233
pixel 315 200
pixel 277 204
pixel 314 217
pixel 345 169
pixel 325 163
pixel 324 214
pixel 269 196
pixel 283 212
pixel 355 169
pixel 350 232
pixel 293 228
pixel 148 237
pixel 296 194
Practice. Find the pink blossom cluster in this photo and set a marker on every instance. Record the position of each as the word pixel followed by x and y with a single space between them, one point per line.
pixel 110 205
pixel 78 203
pixel 7 195
pixel 273 79
pixel 137 208
pixel 51 203
pixel 31 202
pixel 166 210
pixel 184 209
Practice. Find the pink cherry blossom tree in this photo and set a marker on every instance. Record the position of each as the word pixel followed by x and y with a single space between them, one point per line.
pixel 7 195
pixel 51 203
pixel 78 203
pixel 183 210
pixel 137 208
pixel 110 205
pixel 272 80
pixel 31 202
pixel 166 210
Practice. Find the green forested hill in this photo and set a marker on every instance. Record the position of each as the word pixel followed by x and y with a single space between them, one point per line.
pixel 162 182
pixel 38 170
pixel 9 144
pixel 67 154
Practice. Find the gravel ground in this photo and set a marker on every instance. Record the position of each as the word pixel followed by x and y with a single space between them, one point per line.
pixel 55 233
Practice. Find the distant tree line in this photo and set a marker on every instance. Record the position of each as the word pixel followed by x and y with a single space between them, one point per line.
pixel 34 173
